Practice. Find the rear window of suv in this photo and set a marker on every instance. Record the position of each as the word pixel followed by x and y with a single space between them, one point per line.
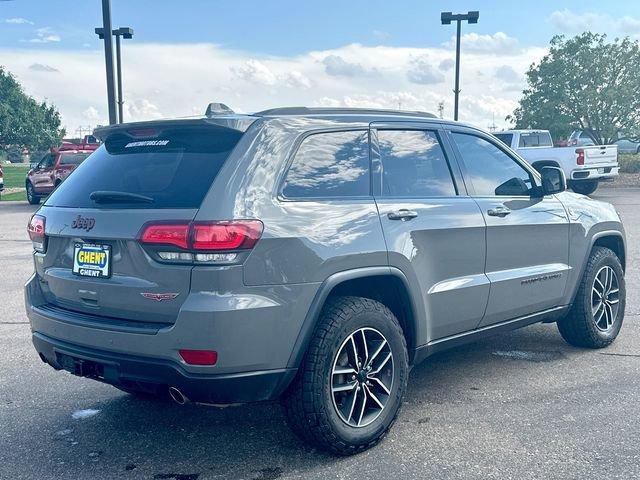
pixel 72 158
pixel 173 170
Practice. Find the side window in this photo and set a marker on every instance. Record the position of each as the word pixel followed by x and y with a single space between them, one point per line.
pixel 332 164
pixel 47 161
pixel 491 171
pixel 414 165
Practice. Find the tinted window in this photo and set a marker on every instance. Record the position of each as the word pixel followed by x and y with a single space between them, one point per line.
pixel 535 140
pixel 47 161
pixel 505 138
pixel 332 164
pixel 175 169
pixel 413 165
pixel 491 171
pixel 72 158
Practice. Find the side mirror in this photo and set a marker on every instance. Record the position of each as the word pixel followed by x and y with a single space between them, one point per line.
pixel 553 180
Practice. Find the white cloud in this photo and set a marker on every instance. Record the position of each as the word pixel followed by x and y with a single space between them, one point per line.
pixel 568 21
pixel 257 72
pixel 91 114
pixel 497 44
pixel 337 66
pixel 446 64
pixel 422 71
pixel 165 80
pixel 18 21
pixel 41 67
pixel 44 35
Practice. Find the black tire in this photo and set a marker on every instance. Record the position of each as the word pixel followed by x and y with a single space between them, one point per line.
pixel 32 197
pixel 309 403
pixel 586 187
pixel 580 327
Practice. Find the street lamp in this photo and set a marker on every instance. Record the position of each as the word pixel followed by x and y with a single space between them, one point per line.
pixel 124 32
pixel 446 18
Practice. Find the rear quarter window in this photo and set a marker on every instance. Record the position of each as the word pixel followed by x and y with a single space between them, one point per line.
pixel 330 164
pixel 175 170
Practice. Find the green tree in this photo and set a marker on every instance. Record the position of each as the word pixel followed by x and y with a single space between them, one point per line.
pixel 24 122
pixel 584 83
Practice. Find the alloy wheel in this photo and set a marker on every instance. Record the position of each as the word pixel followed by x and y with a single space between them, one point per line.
pixel 605 298
pixel 362 377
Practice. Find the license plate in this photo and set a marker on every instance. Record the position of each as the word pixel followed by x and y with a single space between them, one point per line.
pixel 92 260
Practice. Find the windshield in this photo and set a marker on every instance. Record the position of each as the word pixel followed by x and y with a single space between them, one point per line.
pixel 174 170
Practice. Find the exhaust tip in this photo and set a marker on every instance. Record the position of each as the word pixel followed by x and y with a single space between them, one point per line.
pixel 177 396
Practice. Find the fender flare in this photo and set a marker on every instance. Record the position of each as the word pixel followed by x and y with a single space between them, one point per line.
pixel 311 319
pixel 594 238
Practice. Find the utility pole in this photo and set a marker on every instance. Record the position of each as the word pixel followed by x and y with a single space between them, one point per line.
pixel 446 18
pixel 441 109
pixel 108 60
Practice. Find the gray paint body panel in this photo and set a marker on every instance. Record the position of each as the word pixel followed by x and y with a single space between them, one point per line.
pixel 466 274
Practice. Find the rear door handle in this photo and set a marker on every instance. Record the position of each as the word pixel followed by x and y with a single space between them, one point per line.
pixel 402 214
pixel 500 211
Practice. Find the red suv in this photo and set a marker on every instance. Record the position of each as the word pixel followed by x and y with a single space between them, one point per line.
pixel 54 168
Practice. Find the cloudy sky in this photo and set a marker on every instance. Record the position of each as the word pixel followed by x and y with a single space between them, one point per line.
pixel 254 54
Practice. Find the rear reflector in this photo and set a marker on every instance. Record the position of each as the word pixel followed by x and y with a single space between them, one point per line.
pixel 580 157
pixel 36 232
pixel 199 357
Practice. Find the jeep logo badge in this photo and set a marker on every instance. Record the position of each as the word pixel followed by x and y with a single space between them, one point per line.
pixel 84 223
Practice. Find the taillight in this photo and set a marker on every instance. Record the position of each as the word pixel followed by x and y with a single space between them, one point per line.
pixel 202 242
pixel 199 357
pixel 226 235
pixel 580 157
pixel 167 234
pixel 36 232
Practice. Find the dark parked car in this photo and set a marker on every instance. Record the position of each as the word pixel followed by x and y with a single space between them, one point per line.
pixel 311 255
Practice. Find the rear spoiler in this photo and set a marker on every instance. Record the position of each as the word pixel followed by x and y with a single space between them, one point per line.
pixel 151 129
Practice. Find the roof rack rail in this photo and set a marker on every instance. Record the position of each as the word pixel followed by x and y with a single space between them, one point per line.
pixel 340 111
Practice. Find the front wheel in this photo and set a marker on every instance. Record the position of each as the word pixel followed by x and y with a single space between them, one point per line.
pixel 32 196
pixel 586 187
pixel 349 388
pixel 598 309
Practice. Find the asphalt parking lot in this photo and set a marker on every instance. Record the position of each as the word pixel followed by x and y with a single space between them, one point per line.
pixel 519 405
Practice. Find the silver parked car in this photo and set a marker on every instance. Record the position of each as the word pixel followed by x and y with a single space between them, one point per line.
pixel 311 255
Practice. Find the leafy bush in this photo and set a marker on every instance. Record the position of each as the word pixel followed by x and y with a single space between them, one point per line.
pixel 629 163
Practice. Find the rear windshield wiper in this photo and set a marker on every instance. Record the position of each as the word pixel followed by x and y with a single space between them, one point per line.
pixel 106 196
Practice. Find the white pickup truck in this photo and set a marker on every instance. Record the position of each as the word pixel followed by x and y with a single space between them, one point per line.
pixel 584 167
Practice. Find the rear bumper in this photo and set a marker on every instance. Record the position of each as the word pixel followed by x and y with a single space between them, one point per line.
pixel 600 172
pixel 149 374
pixel 253 329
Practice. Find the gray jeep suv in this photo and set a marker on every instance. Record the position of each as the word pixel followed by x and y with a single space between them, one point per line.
pixel 311 255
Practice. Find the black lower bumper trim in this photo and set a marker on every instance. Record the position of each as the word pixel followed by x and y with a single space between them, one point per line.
pixel 146 374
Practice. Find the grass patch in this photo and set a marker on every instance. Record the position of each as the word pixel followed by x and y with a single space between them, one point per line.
pixel 629 163
pixel 15 175
pixel 15 196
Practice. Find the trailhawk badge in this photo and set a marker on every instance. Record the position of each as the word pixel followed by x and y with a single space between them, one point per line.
pixel 158 297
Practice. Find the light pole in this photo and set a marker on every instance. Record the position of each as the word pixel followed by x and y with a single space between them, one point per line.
pixel 108 57
pixel 446 18
pixel 124 32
